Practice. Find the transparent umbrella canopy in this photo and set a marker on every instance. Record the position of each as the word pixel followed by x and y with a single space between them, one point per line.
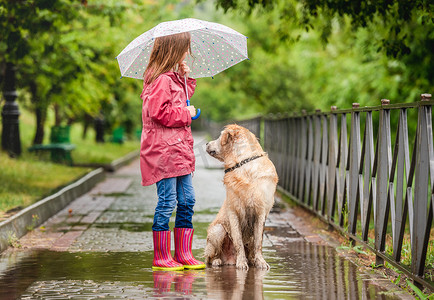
pixel 215 48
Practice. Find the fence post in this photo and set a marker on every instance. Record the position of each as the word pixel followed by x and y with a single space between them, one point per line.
pixel 295 172
pixel 323 171
pixel 424 164
pixel 368 195
pixel 353 183
pixel 309 161
pixel 381 213
pixel 342 169
pixel 332 164
pixel 401 163
pixel 303 157
pixel 316 158
pixel 291 123
pixel 286 153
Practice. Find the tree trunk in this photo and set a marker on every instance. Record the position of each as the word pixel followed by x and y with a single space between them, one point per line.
pixel 41 115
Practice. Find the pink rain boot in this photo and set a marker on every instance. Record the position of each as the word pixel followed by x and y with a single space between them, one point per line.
pixel 183 255
pixel 162 257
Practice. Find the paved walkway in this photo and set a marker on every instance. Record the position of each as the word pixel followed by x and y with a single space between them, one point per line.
pixel 100 246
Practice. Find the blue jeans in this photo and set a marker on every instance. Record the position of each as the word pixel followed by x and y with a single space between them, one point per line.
pixel 176 191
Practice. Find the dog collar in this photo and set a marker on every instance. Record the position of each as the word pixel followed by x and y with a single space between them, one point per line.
pixel 243 162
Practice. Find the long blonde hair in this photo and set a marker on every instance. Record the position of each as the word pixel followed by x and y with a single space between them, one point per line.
pixel 166 54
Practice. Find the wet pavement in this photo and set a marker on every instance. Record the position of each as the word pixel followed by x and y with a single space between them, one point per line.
pixel 100 247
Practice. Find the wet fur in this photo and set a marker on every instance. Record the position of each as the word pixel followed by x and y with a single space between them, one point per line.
pixel 235 236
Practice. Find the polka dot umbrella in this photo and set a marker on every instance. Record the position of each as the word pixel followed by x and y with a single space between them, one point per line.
pixel 215 48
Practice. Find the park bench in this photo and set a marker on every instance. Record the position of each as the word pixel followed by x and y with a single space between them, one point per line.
pixel 118 135
pixel 60 146
pixel 138 133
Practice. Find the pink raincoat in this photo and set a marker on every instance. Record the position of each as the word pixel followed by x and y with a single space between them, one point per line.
pixel 167 143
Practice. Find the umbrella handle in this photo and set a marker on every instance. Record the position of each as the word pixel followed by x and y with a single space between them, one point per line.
pixel 197 113
pixel 188 100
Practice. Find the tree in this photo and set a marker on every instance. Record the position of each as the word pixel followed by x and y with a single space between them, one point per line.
pixel 376 48
pixel 22 23
pixel 398 17
pixel 65 53
pixel 397 20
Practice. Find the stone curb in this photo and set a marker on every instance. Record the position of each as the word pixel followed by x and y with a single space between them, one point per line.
pixel 16 226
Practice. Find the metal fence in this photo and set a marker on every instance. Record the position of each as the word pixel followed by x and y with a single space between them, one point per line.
pixel 343 166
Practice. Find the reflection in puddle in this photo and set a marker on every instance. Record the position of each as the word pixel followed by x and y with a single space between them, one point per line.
pixel 300 271
pixel 317 272
pixel 231 283
pixel 176 283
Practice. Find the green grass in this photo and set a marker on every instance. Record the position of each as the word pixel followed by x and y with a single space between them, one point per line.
pixel 31 177
pixel 89 152
pixel 26 180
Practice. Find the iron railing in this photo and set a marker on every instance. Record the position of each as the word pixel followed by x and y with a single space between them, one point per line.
pixel 343 166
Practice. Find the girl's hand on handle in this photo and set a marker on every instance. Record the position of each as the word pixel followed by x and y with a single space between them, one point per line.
pixel 192 110
pixel 183 69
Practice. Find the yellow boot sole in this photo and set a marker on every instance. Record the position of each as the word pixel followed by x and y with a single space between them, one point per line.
pixel 167 269
pixel 194 267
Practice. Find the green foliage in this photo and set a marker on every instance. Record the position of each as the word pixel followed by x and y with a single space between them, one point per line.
pixel 65 55
pixel 13 240
pixel 266 83
pixel 324 53
pixel 358 249
pixel 22 21
pixel 35 219
pixel 375 266
pixel 303 55
pixel 398 18
pixel 416 290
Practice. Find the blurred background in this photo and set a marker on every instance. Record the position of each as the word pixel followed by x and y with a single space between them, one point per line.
pixel 303 55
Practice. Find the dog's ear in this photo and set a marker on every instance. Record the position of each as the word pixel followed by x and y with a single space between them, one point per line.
pixel 227 136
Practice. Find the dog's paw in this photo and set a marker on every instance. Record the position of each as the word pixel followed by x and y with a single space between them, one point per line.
pixel 217 262
pixel 261 263
pixel 242 264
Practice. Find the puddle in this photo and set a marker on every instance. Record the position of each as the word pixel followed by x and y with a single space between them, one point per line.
pixel 131 227
pixel 302 271
pixel 116 194
pixel 316 272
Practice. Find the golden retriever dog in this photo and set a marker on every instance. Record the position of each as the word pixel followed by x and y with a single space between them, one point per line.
pixel 235 236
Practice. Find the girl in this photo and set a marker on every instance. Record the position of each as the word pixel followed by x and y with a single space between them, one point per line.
pixel 166 155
